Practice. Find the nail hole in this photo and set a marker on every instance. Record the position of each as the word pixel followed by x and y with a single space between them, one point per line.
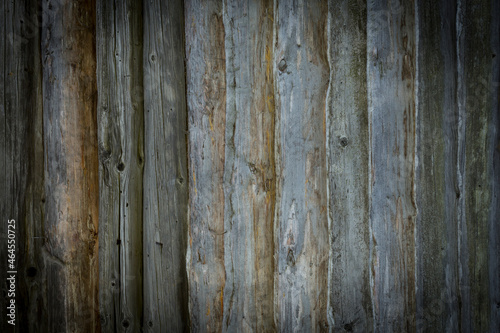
pixel 348 327
pixel 150 323
pixel 125 323
pixel 31 271
pixel 343 141
pixel 180 180
pixel 121 167
pixel 118 241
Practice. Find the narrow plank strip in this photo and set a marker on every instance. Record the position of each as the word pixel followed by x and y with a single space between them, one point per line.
pixel 249 177
pixel 302 246
pixel 476 116
pixel 120 114
pixel 436 184
pixel 206 102
pixel 391 107
pixel 350 306
pixel 71 165
pixel 494 172
pixel 165 172
pixel 21 162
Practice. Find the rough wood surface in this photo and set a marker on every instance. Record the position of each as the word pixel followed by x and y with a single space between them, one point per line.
pixel 165 173
pixel 249 179
pixel 350 306
pixel 120 122
pixel 391 107
pixel 437 184
pixel 475 60
pixel 71 165
pixel 21 162
pixel 302 245
pixel 206 102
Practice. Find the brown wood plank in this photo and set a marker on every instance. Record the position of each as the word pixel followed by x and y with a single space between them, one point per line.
pixel 71 165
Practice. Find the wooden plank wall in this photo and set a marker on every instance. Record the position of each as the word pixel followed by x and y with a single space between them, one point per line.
pixel 220 165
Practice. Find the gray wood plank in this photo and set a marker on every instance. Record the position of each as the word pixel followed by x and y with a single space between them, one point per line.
pixel 475 112
pixel 350 306
pixel 249 175
pixel 206 103
pixel 71 165
pixel 21 162
pixel 391 107
pixel 436 182
pixel 165 171
pixel 494 172
pixel 120 121
pixel 301 232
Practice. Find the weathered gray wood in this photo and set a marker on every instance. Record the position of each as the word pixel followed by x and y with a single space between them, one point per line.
pixel 391 107
pixel 436 183
pixel 165 173
pixel 21 162
pixel 120 122
pixel 71 166
pixel 350 306
pixel 475 106
pixel 494 172
pixel 249 175
pixel 302 246
pixel 206 102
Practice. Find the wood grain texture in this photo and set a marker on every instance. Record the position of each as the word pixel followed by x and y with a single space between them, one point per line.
pixel 21 162
pixel 71 165
pixel 249 179
pixel 391 107
pixel 165 173
pixel 475 107
pixel 494 172
pixel 206 102
pixel 120 115
pixel 301 232
pixel 437 183
pixel 350 306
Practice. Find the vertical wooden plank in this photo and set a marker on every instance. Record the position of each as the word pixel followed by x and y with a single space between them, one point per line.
pixel 206 102
pixel 350 306
pixel 71 165
pixel 391 107
pixel 165 173
pixel 436 184
pixel 302 246
pixel 249 177
pixel 494 172
pixel 475 106
pixel 120 114
pixel 21 151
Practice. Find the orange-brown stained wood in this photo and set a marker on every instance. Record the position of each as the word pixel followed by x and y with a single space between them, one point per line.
pixel 71 172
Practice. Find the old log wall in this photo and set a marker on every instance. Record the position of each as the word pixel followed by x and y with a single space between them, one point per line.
pixel 222 165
